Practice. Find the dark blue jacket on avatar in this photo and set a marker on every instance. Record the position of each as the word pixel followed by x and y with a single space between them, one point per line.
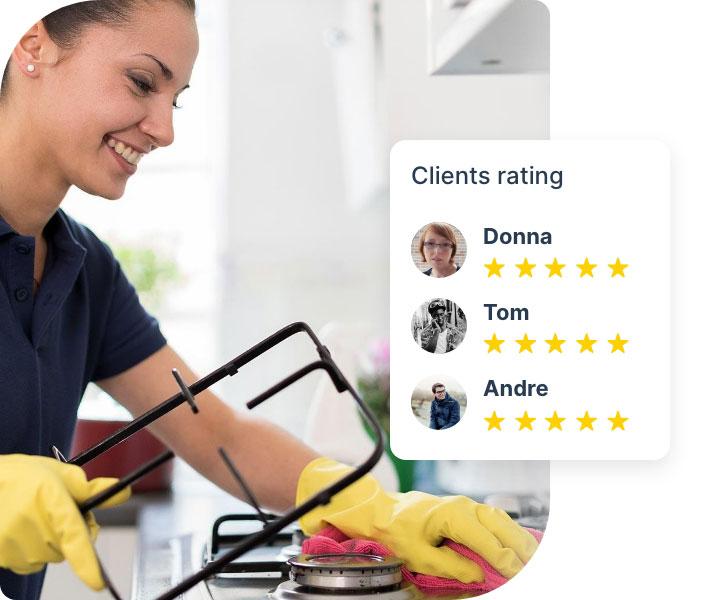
pixel 444 413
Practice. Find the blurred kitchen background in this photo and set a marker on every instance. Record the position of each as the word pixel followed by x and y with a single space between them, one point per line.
pixel 272 204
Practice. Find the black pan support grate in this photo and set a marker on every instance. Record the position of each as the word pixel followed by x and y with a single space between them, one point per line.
pixel 273 525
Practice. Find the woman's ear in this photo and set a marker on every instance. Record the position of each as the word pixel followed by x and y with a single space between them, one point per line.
pixel 34 49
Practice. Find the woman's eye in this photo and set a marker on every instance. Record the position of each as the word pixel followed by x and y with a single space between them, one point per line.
pixel 144 86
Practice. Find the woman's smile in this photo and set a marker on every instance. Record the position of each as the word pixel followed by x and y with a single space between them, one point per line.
pixel 129 153
pixel 125 155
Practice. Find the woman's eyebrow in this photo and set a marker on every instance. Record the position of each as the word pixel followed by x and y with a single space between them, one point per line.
pixel 167 73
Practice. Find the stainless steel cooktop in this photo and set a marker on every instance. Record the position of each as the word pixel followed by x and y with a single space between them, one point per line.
pixel 266 573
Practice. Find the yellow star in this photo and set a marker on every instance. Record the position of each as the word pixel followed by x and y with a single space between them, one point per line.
pixel 617 344
pixel 525 421
pixel 586 421
pixel 494 268
pixel 586 344
pixel 494 344
pixel 555 268
pixel 618 421
pixel 586 268
pixel 494 421
pixel 525 268
pixel 525 344
pixel 617 268
pixel 555 421
pixel 555 344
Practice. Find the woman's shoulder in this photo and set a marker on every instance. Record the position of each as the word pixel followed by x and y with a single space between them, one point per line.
pixel 82 234
pixel 98 256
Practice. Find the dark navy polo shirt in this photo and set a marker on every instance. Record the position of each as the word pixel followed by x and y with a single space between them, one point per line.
pixel 83 324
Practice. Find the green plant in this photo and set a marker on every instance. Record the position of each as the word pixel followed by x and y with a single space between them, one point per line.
pixel 150 271
pixel 373 386
pixel 375 392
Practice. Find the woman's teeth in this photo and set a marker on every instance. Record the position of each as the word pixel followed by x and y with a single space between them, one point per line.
pixel 126 152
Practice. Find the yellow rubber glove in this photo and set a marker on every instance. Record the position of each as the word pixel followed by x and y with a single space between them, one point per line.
pixel 414 524
pixel 40 521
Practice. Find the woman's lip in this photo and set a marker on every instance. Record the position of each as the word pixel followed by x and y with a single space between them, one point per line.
pixel 132 146
pixel 127 167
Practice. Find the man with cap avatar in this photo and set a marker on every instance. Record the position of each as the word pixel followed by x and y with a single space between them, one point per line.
pixel 439 336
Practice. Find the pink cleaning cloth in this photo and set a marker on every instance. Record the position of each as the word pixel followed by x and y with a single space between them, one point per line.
pixel 332 541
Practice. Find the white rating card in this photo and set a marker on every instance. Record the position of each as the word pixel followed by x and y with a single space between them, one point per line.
pixel 530 299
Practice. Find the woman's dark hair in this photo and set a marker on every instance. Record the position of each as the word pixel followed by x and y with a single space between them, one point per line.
pixel 66 24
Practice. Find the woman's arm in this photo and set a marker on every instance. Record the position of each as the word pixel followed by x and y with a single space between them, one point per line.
pixel 270 459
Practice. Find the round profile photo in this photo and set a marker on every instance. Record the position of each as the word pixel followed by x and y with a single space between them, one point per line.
pixel 438 326
pixel 438 249
pixel 438 402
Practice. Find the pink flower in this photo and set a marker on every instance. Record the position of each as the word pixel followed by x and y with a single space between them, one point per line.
pixel 379 355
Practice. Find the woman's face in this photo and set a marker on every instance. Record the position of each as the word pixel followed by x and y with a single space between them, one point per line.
pixel 109 101
pixel 437 250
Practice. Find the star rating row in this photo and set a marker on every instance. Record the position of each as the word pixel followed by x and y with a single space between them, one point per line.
pixel 586 421
pixel 555 268
pixel 555 344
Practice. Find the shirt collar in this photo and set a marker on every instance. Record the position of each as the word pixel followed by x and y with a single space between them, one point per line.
pixel 57 231
pixel 5 228
pixel 60 233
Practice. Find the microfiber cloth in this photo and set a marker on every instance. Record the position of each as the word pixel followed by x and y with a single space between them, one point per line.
pixel 332 541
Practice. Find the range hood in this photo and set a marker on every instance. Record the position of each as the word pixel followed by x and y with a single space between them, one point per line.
pixel 488 37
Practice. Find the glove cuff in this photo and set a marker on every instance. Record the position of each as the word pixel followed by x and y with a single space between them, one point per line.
pixel 319 474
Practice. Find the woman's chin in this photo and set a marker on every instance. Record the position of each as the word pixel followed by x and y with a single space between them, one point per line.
pixel 111 191
pixel 444 270
pixel 112 196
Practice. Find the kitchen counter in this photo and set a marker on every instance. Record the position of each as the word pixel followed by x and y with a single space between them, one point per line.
pixel 161 518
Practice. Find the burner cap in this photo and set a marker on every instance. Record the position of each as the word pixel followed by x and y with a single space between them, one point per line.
pixel 345 571
pixel 289 590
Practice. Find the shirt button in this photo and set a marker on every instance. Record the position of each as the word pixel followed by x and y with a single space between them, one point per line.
pixel 22 248
pixel 21 294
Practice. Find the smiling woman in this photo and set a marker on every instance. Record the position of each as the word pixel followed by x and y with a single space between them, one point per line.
pixel 95 88
pixel 88 91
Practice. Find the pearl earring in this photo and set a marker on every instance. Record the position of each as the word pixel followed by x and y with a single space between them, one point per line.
pixel 30 68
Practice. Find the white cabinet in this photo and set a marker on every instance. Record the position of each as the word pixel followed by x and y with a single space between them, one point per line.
pixel 488 36
pixel 424 104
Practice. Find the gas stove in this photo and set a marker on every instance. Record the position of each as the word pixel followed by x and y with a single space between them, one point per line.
pixel 259 566
pixel 275 571
pixel 279 570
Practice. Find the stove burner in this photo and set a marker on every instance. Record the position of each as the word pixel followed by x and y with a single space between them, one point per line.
pixel 345 572
pixel 289 590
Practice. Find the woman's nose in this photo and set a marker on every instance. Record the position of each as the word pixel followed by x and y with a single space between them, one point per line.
pixel 158 124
